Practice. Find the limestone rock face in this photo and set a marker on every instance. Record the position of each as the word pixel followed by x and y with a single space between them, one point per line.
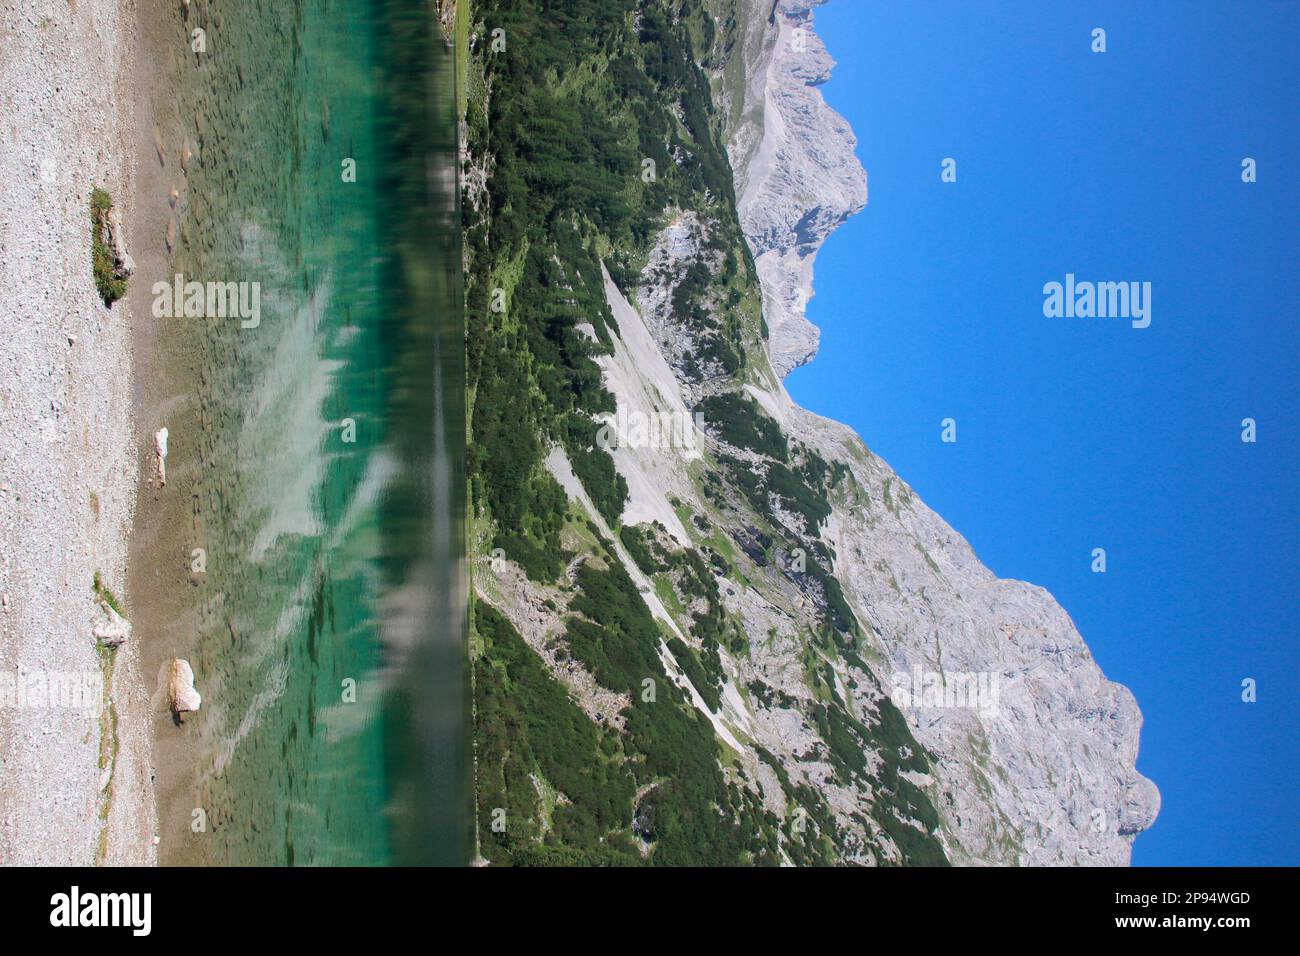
pixel 1039 771
pixel 957 716
pixel 1038 768
pixel 797 176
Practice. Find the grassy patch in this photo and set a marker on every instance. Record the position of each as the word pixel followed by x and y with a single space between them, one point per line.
pixel 107 596
pixel 109 741
pixel 110 287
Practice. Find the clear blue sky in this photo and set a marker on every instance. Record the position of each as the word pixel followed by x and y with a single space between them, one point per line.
pixel 1082 433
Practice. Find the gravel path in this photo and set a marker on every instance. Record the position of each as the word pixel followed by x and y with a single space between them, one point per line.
pixel 75 788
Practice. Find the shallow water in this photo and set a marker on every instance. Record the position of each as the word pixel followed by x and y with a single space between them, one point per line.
pixel 321 450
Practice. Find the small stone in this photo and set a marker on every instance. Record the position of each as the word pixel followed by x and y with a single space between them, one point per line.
pixel 160 449
pixel 113 629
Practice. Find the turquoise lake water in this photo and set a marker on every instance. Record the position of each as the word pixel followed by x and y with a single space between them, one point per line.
pixel 331 626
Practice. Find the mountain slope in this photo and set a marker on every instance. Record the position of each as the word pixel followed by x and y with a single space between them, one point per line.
pixel 698 606
pixel 1050 776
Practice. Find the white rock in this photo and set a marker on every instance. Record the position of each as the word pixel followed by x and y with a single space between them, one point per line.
pixel 160 449
pixel 123 264
pixel 181 693
pixel 113 630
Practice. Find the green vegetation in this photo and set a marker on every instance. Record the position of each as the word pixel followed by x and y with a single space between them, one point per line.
pixel 796 496
pixel 527 729
pixel 809 827
pixel 741 422
pixel 595 468
pixel 838 613
pixel 689 661
pixel 697 817
pixel 898 799
pixel 770 697
pixel 634 539
pixel 890 504
pixel 110 287
pixel 689 581
pixel 526 725
pixel 559 126
pixel 583 93
pixel 107 596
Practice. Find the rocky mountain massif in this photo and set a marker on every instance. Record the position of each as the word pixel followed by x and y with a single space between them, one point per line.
pixel 709 626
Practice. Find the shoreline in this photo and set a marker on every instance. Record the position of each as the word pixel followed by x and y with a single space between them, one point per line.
pixel 75 786
pixel 159 585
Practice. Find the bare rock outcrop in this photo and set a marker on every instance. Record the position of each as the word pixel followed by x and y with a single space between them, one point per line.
pixel 1040 769
pixel 1044 771
pixel 797 176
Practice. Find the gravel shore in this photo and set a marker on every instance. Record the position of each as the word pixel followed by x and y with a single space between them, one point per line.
pixel 75 786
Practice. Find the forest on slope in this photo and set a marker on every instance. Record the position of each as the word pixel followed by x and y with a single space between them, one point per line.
pixel 568 103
